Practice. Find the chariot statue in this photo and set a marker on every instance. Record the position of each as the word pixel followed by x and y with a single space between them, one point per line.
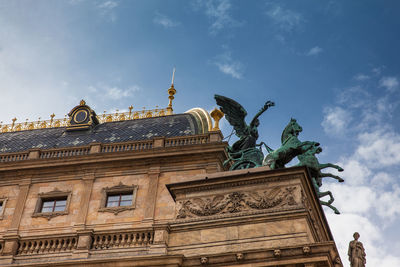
pixel 245 153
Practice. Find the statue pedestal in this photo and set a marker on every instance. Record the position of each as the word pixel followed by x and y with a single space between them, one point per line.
pixel 251 216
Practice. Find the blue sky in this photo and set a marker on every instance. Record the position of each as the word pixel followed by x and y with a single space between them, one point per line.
pixel 332 65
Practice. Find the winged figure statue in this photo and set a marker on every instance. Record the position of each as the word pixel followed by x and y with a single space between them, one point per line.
pixel 243 152
pixel 235 114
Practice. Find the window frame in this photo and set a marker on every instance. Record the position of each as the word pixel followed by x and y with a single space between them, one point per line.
pixel 118 190
pixel 52 196
pixel 3 200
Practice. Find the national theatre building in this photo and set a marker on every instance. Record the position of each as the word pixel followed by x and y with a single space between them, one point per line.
pixel 150 188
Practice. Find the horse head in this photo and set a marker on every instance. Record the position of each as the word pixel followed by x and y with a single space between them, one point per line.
pixel 292 129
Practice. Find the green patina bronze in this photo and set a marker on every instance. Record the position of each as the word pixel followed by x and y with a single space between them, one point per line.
pixel 244 153
pixel 291 147
pixel 309 159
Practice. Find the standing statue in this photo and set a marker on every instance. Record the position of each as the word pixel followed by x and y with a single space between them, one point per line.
pixel 356 252
pixel 291 147
pixel 243 152
pixel 309 159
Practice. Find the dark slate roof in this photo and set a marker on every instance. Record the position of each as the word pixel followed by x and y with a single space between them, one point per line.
pixel 109 132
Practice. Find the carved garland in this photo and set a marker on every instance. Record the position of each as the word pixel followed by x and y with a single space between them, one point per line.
pixel 235 202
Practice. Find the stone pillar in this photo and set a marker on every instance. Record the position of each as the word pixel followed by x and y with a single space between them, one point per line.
pixel 88 180
pixel 215 136
pixel 160 241
pixel 10 248
pixel 34 154
pixel 151 197
pixel 159 142
pixel 19 207
pixel 95 148
pixel 85 238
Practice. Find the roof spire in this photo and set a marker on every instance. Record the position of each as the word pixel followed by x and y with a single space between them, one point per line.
pixel 171 91
pixel 173 76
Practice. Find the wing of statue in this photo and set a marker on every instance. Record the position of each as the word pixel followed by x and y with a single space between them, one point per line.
pixel 234 113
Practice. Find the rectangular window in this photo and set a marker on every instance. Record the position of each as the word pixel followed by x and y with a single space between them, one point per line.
pixel 53 205
pixel 3 201
pixel 118 200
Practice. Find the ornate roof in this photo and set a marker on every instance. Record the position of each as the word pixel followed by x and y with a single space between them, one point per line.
pixel 107 132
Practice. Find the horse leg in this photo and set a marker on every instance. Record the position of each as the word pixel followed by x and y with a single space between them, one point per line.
pixel 332 176
pixel 330 165
pixel 327 193
pixel 329 202
pixel 330 206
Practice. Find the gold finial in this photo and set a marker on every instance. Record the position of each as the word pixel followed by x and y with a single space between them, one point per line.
pixel 217 115
pixel 52 118
pixel 13 122
pixel 171 91
pixel 83 102
pixel 130 111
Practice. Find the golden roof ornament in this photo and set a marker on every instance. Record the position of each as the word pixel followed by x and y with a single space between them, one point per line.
pixel 217 115
pixel 171 93
pixel 83 117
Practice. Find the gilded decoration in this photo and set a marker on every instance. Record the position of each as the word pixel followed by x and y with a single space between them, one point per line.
pixel 105 117
pixel 236 202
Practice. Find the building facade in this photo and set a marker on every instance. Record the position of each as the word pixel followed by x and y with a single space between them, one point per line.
pixel 149 190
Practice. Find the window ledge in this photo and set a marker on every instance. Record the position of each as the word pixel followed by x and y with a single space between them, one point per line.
pixel 116 210
pixel 49 215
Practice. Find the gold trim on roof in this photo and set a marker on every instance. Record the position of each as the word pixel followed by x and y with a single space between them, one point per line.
pixel 110 117
pixel 105 117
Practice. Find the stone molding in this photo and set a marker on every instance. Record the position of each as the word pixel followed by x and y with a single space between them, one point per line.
pixel 238 203
pixel 120 188
pixel 49 195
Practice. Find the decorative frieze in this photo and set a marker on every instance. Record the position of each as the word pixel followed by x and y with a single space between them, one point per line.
pixel 236 202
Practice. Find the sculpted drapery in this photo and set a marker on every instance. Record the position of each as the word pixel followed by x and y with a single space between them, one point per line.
pixel 356 252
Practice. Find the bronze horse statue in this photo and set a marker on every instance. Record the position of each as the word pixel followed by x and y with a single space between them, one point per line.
pixel 291 147
pixel 309 159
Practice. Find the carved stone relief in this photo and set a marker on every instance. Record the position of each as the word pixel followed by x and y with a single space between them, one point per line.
pixel 236 202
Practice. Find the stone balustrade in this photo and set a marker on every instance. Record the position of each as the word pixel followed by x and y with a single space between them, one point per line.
pixel 48 245
pixel 115 147
pixel 122 240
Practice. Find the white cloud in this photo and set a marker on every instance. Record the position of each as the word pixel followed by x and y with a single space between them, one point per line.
pixel 108 5
pixel 390 83
pixel 106 9
pixel 336 120
pixel 233 69
pixel 314 51
pixel 285 19
pixel 219 12
pixel 371 189
pixel 361 77
pixel 354 97
pixel 379 148
pixel 164 21
pixel 227 65
pixel 112 92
